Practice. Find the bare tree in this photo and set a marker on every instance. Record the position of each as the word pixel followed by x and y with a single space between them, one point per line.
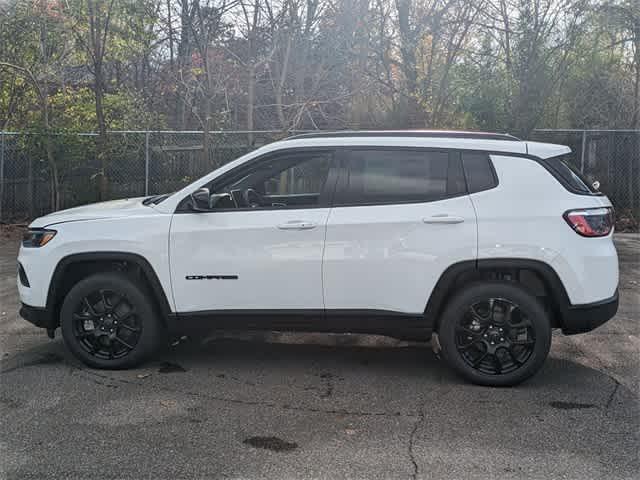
pixel 91 24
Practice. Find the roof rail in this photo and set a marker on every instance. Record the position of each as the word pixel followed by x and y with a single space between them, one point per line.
pixel 407 133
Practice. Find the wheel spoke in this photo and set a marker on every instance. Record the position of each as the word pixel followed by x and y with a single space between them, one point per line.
pixel 476 315
pixel 129 327
pixel 466 330
pixel 90 308
pixel 479 360
pixel 513 356
pixel 521 324
pixel 471 343
pixel 118 339
pixel 508 314
pixel 94 348
pixel 497 363
pixel 119 301
pixel 126 316
pixel 492 302
pixel 105 305
pixel 523 342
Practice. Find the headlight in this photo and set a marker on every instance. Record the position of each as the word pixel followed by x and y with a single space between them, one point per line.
pixel 37 237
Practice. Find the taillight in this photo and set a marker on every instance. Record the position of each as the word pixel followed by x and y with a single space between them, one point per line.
pixel 591 222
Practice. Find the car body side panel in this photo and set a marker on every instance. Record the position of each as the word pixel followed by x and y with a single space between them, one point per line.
pixel 386 257
pixel 522 218
pixel 145 235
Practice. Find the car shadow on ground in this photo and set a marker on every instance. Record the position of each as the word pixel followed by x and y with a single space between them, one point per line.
pixel 274 365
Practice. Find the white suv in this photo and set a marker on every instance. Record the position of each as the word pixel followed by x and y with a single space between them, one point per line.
pixel 482 241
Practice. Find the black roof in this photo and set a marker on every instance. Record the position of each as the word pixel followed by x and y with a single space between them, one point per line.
pixel 408 133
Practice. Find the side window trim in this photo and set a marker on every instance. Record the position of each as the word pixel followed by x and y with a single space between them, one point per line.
pixel 326 194
pixel 340 198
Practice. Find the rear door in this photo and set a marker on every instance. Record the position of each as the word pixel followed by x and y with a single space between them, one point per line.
pixel 400 218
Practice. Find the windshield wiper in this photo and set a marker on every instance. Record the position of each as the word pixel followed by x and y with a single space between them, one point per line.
pixel 155 199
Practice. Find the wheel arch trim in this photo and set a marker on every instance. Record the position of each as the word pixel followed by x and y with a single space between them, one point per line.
pixel 446 283
pixel 111 256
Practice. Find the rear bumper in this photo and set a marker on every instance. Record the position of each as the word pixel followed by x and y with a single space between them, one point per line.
pixel 584 318
pixel 40 317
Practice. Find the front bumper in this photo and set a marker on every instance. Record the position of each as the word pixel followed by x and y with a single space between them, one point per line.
pixel 584 318
pixel 40 317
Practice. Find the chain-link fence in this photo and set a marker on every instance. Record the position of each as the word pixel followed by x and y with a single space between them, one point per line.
pixel 42 173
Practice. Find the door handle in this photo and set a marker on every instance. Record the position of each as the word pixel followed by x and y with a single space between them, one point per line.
pixel 443 218
pixel 297 225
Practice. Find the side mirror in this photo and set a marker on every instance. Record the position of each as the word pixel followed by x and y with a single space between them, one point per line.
pixel 200 200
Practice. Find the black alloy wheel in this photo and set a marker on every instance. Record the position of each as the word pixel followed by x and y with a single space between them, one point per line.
pixel 106 325
pixel 109 321
pixel 495 336
pixel 495 333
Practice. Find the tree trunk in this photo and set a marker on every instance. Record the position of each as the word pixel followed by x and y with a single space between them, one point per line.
pixel 101 141
pixel 408 55
pixel 635 122
pixel 184 56
pixel 251 100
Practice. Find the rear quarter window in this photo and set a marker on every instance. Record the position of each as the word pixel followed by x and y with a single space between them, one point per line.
pixel 478 172
pixel 569 176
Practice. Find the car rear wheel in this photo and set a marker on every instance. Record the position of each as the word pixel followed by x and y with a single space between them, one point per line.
pixel 109 322
pixel 495 334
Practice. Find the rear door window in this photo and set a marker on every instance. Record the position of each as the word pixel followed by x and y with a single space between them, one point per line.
pixel 382 176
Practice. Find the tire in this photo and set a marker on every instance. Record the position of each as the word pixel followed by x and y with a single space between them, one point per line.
pixel 109 322
pixel 503 340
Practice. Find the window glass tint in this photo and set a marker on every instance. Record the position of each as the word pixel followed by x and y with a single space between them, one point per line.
pixel 387 176
pixel 477 168
pixel 288 180
pixel 305 177
pixel 570 175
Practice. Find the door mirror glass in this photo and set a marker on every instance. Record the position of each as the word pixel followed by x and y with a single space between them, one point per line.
pixel 201 200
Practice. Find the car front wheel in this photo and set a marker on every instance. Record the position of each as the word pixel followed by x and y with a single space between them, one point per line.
pixel 109 322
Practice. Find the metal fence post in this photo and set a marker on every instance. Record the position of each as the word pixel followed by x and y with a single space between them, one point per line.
pixel 584 146
pixel 146 163
pixel 1 172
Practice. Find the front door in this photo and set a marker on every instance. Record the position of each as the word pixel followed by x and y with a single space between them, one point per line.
pixel 260 245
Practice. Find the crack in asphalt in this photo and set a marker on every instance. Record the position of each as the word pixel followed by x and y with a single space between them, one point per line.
pixel 419 421
pixel 601 367
pixel 613 394
pixel 47 358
